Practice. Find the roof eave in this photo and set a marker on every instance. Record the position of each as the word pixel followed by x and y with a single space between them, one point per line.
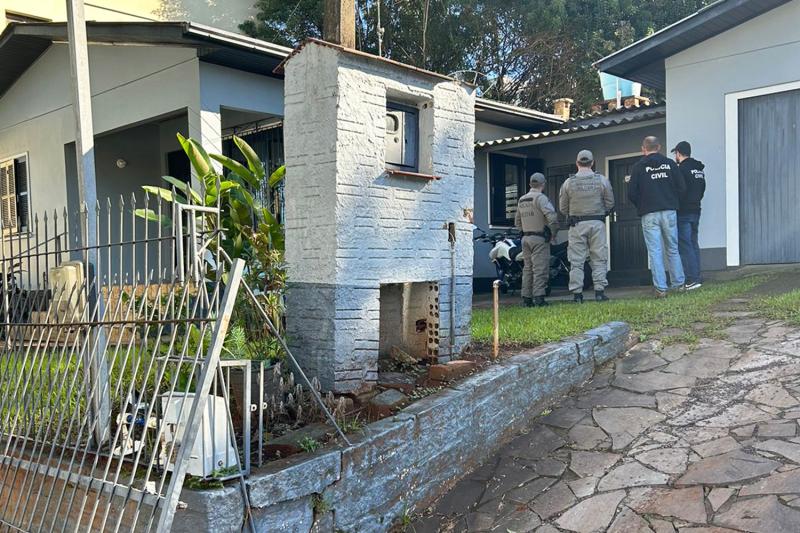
pixel 567 130
pixel 524 112
pixel 643 61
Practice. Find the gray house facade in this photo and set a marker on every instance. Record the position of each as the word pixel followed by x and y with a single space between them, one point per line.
pixel 732 79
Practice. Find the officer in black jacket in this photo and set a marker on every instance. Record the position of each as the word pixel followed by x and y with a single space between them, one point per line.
pixel 689 212
pixel 655 188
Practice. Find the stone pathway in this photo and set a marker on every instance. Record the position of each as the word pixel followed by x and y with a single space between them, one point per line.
pixel 700 439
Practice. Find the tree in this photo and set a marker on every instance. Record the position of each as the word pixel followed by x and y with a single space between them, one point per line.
pixel 530 51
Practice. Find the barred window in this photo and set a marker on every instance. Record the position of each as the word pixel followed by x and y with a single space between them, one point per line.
pixel 14 201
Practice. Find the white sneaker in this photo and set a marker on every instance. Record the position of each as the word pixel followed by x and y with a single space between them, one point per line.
pixel 693 286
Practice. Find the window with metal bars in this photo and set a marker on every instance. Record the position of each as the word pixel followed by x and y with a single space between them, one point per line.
pixel 267 141
pixel 14 200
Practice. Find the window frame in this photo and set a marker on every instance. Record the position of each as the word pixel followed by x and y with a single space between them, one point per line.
pixel 528 165
pixel 393 105
pixel 21 230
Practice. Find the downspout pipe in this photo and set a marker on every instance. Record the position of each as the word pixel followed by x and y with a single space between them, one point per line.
pixel 451 237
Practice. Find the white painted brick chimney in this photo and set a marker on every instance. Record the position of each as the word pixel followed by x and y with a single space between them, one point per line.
pixel 350 225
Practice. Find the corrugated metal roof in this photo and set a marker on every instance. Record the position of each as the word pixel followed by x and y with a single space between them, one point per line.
pixel 608 119
pixel 643 61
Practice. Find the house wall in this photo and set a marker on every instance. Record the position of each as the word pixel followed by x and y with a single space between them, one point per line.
pixel 489 132
pixel 226 15
pixel 227 88
pixel 607 143
pixel 759 53
pixel 130 85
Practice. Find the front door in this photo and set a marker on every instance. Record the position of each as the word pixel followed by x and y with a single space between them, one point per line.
pixel 628 250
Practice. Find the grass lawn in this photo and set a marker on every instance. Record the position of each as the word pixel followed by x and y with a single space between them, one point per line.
pixel 521 326
pixel 781 307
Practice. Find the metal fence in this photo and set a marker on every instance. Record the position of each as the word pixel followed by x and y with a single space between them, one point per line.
pixel 109 355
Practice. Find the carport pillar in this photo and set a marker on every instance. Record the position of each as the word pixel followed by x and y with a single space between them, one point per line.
pixel 206 128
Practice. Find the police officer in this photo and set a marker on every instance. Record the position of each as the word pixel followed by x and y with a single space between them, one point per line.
pixel 538 221
pixel 586 198
pixel 656 189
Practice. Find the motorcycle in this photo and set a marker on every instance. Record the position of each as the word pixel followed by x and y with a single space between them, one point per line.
pixel 506 255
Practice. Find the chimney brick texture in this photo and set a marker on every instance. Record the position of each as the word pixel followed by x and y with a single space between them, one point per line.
pixel 351 227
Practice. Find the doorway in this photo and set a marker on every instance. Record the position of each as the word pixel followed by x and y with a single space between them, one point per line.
pixel 628 249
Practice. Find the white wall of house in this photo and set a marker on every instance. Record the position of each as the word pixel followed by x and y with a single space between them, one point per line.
pixel 228 88
pixel 130 85
pixel 760 53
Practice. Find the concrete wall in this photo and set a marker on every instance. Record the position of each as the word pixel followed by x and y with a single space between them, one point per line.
pixel 759 53
pixel 350 226
pixel 401 464
pixel 604 144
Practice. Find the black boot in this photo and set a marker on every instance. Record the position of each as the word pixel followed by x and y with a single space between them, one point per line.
pixel 600 296
pixel 578 297
pixel 539 301
pixel 527 302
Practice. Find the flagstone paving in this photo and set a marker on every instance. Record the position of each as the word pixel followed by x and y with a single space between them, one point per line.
pixel 675 439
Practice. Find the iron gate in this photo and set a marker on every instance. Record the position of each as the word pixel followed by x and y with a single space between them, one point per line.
pixel 109 351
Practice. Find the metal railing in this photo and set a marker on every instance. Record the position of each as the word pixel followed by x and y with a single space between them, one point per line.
pixel 112 383
pixel 109 354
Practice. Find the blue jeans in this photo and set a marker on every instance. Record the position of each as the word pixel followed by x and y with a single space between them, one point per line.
pixel 688 225
pixel 661 236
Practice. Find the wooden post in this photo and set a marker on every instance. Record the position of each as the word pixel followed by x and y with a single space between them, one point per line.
pixel 496 319
pixel 339 22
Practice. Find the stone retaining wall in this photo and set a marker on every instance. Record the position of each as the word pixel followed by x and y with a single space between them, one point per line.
pixel 404 462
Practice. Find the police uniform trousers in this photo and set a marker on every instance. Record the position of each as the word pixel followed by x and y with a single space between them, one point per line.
pixel 587 240
pixel 536 269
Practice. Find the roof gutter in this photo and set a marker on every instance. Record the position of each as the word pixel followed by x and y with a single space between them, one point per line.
pixel 235 39
pixel 483 103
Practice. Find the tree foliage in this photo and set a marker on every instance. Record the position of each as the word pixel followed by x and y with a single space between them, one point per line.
pixel 529 52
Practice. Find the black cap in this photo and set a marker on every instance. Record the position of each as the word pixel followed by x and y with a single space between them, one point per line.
pixel 683 147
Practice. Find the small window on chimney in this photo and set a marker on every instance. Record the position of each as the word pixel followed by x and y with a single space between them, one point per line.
pixel 402 137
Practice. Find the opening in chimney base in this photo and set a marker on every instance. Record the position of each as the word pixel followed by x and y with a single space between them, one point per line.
pixel 409 319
